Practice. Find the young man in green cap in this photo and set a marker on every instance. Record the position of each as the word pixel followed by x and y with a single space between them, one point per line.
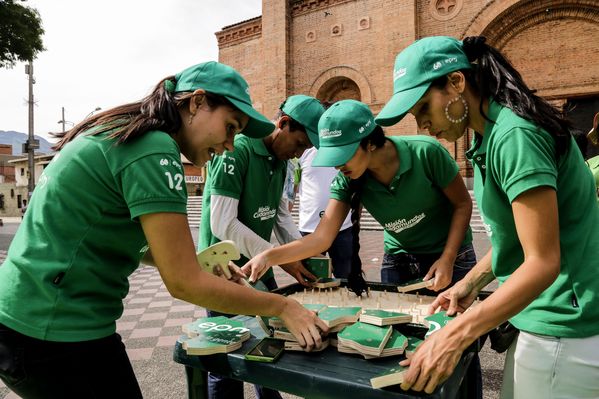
pixel 243 200
pixel 539 201
pixel 115 189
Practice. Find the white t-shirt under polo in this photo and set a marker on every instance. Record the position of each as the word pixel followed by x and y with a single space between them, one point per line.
pixel 314 192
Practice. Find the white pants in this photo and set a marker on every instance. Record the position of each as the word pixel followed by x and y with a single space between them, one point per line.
pixel 539 366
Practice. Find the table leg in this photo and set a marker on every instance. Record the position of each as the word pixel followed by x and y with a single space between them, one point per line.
pixel 197 383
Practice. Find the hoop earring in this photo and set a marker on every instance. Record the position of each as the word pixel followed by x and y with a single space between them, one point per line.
pixel 453 100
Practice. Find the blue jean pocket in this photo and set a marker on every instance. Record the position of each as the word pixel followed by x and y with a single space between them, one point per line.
pixel 466 258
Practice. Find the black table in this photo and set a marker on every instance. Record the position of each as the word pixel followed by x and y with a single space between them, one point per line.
pixel 326 374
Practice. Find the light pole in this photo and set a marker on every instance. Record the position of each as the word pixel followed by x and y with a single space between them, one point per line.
pixel 31 144
pixel 64 122
pixel 91 113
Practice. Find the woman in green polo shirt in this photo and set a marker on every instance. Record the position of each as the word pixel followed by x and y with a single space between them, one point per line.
pixel 115 188
pixel 537 198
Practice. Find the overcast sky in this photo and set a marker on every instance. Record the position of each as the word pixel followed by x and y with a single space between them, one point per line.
pixel 110 52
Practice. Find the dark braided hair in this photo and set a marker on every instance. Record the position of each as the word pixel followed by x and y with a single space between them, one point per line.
pixel 158 111
pixel 355 279
pixel 493 76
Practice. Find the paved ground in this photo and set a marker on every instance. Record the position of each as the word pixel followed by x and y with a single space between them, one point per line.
pixel 152 322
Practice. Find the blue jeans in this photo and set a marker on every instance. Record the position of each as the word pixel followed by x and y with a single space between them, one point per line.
pixel 220 387
pixel 399 268
pixel 34 368
pixel 340 252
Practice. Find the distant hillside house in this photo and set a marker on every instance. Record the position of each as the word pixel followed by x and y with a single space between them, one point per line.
pixel 15 179
pixel 12 198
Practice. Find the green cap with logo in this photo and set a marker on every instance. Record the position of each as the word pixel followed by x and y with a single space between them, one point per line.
pixel 416 67
pixel 340 130
pixel 223 80
pixel 307 111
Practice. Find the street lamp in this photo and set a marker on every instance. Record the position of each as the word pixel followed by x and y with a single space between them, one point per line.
pixel 64 122
pixel 91 113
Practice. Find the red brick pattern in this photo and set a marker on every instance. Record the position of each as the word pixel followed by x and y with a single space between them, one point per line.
pixel 552 43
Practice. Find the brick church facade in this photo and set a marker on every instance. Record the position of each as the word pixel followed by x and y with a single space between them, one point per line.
pixel 336 49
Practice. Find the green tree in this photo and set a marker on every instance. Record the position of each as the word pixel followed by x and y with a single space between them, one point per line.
pixel 20 33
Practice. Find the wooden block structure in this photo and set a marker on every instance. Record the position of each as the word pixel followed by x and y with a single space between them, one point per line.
pixel 380 309
pixel 413 304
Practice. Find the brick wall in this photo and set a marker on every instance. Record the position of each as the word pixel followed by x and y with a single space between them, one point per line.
pixel 311 46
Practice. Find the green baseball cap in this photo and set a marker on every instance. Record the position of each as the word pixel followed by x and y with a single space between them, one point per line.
pixel 416 67
pixel 307 111
pixel 223 80
pixel 340 130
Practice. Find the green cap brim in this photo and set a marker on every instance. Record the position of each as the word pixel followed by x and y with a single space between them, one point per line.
pixel 258 126
pixel 335 156
pixel 313 136
pixel 399 105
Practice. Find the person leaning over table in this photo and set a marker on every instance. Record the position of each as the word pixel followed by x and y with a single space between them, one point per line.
pixel 115 188
pixel 537 198
pixel 244 202
pixel 243 197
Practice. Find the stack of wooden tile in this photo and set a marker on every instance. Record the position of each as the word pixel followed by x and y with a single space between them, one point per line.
pixel 279 331
pixel 338 317
pixel 210 335
pixel 379 317
pixel 364 339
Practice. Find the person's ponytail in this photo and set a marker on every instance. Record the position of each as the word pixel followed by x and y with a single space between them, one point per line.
pixel 494 76
pixel 355 278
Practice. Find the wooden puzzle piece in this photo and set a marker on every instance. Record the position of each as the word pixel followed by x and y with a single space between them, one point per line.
pixel 413 344
pixel 217 257
pixel 381 317
pixel 326 282
pixel 416 284
pixel 333 316
pixel 319 266
pixel 211 335
pixel 365 338
pixel 295 346
pixel 392 376
pixel 437 321
pixel 395 346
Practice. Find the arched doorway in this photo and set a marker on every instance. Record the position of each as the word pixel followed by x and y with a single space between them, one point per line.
pixel 338 88
pixel 554 46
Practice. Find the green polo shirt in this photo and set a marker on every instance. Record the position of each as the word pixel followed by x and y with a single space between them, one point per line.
pixel 251 175
pixel 514 156
pixel 67 267
pixel 413 209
